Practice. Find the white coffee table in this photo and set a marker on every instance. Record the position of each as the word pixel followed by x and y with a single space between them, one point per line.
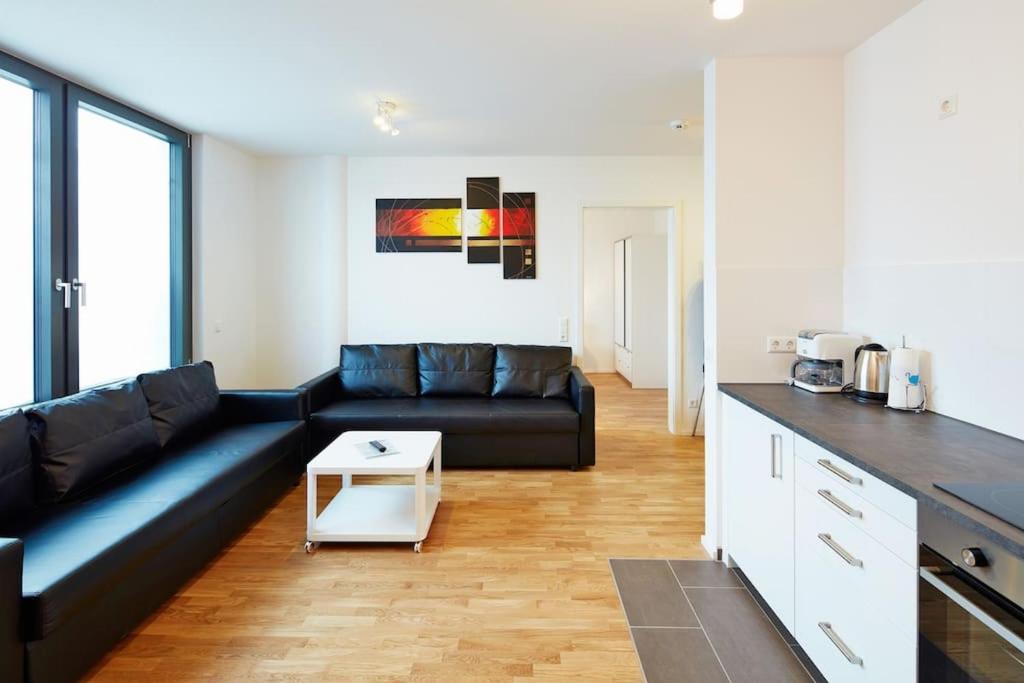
pixel 375 512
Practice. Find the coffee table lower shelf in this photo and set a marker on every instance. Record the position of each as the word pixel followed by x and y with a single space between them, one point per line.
pixel 374 513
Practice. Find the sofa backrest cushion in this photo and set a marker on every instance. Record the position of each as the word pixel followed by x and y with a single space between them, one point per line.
pixel 182 400
pixel 455 369
pixel 16 487
pixel 378 370
pixel 81 440
pixel 532 371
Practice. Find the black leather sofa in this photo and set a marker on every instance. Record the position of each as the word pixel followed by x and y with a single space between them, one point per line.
pixel 111 499
pixel 496 406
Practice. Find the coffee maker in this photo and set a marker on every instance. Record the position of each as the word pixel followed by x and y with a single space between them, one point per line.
pixel 825 360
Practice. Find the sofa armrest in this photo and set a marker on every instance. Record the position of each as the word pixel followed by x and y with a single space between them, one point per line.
pixel 12 650
pixel 322 391
pixel 240 407
pixel 581 393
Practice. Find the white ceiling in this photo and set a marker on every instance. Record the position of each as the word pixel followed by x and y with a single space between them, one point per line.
pixel 539 77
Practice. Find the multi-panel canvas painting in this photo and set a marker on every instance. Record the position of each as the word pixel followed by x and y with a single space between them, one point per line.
pixel 483 220
pixel 419 225
pixel 519 235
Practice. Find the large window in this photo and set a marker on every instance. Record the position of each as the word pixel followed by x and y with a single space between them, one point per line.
pixel 123 249
pixel 94 238
pixel 17 116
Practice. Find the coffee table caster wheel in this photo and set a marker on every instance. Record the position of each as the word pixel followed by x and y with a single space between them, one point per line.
pixel 417 547
pixel 311 546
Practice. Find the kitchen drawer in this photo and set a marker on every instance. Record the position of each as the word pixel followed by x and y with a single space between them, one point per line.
pixel 843 473
pixel 826 594
pixel 862 513
pixel 871 579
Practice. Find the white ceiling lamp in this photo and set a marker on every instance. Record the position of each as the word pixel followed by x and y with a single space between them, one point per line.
pixel 384 118
pixel 726 9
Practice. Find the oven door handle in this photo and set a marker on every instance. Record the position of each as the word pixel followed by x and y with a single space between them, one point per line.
pixel 973 609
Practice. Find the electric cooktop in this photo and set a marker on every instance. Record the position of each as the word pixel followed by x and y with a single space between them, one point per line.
pixel 1005 501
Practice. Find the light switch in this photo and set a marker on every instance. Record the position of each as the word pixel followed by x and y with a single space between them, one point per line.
pixel 563 329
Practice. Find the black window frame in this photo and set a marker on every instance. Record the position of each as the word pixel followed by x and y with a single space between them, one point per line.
pixel 55 333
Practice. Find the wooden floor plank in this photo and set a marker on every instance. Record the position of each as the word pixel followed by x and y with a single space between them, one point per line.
pixel 513 583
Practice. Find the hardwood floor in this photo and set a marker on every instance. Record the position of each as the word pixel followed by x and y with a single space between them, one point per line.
pixel 513 583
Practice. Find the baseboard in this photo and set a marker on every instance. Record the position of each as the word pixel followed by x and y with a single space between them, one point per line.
pixel 710 548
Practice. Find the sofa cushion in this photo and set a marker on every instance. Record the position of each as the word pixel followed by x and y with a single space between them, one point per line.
pixel 75 552
pixel 182 400
pixel 81 440
pixel 16 486
pixel 455 369
pixel 448 415
pixel 378 370
pixel 535 371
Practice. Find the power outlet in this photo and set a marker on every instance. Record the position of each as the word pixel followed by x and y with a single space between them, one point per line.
pixel 781 345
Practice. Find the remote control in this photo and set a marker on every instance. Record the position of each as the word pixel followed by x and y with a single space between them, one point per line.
pixel 379 446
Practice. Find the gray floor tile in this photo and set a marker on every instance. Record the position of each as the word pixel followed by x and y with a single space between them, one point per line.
pixel 677 655
pixel 650 594
pixel 749 646
pixel 704 573
pixel 816 675
pixel 779 626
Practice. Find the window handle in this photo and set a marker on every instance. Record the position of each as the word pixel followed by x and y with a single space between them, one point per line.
pixel 65 287
pixel 79 287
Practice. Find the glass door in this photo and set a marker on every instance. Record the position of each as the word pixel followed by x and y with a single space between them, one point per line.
pixel 123 282
pixel 17 209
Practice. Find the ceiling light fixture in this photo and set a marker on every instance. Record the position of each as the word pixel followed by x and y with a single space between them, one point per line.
pixel 383 120
pixel 726 9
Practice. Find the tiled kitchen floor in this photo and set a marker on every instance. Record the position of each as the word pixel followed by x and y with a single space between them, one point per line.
pixel 695 620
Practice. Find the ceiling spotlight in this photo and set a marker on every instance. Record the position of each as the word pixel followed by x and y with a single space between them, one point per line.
pixel 383 119
pixel 726 9
pixel 394 132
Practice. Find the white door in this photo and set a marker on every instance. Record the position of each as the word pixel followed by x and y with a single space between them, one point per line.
pixel 760 490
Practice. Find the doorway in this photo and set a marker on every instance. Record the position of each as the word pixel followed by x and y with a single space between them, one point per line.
pixel 631 315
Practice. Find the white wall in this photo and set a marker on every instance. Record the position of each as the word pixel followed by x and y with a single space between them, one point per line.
pixel 602 227
pixel 302 202
pixel 439 297
pixel 774 223
pixel 935 208
pixel 269 293
pixel 778 226
pixel 225 213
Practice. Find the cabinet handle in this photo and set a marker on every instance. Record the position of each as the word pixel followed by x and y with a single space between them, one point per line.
pixel 848 478
pixel 840 551
pixel 827 495
pixel 776 456
pixel 840 645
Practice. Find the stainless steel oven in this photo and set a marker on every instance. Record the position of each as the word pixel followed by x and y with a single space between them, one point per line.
pixel 970 616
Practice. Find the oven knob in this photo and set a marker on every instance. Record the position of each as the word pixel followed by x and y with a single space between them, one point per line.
pixel 974 557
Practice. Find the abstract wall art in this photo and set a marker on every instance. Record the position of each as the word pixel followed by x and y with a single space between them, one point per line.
pixel 483 220
pixel 419 225
pixel 519 235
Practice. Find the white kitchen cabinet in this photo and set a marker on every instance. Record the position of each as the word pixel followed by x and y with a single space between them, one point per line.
pixel 760 478
pixel 831 548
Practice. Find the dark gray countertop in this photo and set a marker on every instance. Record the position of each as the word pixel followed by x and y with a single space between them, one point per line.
pixel 907 450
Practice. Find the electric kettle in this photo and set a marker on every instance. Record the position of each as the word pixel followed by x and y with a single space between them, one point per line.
pixel 871 373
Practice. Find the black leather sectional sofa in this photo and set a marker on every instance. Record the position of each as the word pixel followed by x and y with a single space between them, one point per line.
pixel 496 406
pixel 111 499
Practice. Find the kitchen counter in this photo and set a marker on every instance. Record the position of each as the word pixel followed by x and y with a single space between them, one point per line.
pixel 906 450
